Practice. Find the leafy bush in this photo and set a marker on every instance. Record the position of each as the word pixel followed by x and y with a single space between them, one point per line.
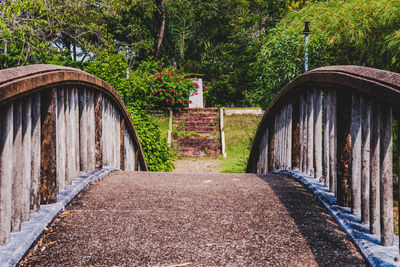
pixel 155 148
pixel 171 89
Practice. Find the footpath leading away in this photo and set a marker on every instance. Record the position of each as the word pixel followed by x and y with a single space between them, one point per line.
pixel 187 219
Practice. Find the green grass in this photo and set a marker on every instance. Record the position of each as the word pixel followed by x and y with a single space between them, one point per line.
pixel 239 133
pixel 164 124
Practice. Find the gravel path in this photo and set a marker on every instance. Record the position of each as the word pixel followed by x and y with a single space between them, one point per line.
pixel 197 165
pixel 185 219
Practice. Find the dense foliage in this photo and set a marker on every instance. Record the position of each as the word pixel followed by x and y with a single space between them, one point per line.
pixel 171 89
pixel 355 32
pixel 244 50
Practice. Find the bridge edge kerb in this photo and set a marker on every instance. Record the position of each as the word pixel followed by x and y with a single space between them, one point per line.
pixel 382 84
pixel 21 81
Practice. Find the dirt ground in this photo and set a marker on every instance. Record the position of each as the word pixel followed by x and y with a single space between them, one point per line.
pixel 197 165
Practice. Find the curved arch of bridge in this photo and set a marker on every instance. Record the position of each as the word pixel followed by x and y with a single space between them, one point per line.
pixel 55 123
pixel 335 123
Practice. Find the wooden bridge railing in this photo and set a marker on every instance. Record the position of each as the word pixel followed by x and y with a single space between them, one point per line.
pixel 56 122
pixel 335 123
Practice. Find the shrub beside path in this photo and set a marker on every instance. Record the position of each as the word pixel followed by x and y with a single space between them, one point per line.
pixel 187 219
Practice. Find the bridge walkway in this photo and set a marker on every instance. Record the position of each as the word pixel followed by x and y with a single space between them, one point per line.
pixel 187 219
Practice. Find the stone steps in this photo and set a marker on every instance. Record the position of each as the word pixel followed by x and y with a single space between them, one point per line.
pixel 205 123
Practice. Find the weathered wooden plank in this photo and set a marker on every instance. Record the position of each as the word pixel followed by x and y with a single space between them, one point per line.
pixel 48 165
pixel 83 130
pixel 365 168
pixel 326 99
pixel 356 118
pixel 61 142
pixel 26 156
pixel 70 138
pixel 91 143
pixel 6 170
pixel 289 136
pixel 318 133
pixel 129 152
pixel 122 144
pixel 310 133
pixel 344 148
pixel 265 152
pixel 276 148
pixel 301 132
pixel 386 181
pixel 305 132
pixel 105 132
pixel 36 154
pixel 75 113
pixel 98 114
pixel 296 116
pixel 271 144
pixel 17 168
pixel 332 142
pixel 117 144
pixel 375 226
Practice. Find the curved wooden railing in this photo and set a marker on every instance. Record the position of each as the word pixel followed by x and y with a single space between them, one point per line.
pixel 335 123
pixel 56 122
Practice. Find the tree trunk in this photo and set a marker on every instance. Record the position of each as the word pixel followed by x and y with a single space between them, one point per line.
pixel 160 26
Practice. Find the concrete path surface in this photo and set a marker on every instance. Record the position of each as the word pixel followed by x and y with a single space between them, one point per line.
pixel 186 219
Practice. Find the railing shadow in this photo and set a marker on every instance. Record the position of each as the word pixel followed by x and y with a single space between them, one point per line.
pixel 317 226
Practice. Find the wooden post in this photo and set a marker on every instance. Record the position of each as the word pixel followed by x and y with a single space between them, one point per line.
pixel 326 137
pixel 91 142
pixel 301 132
pixel 397 258
pixel 271 144
pixel 265 152
pixel 344 148
pixel 375 170
pixel 122 144
pixel 26 156
pixel 98 119
pixel 332 142
pixel 296 114
pixel 6 173
pixel 276 137
pixel 48 173
pixel 117 127
pixel 170 126
pixel 305 133
pixel 61 136
pixel 83 149
pixel 310 133
pixel 386 181
pixel 69 140
pixel 105 130
pixel 75 127
pixel 365 169
pixel 289 118
pixel 318 133
pixel 356 117
pixel 17 168
pixel 36 153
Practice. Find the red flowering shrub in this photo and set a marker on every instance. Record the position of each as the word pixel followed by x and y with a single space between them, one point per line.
pixel 171 89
